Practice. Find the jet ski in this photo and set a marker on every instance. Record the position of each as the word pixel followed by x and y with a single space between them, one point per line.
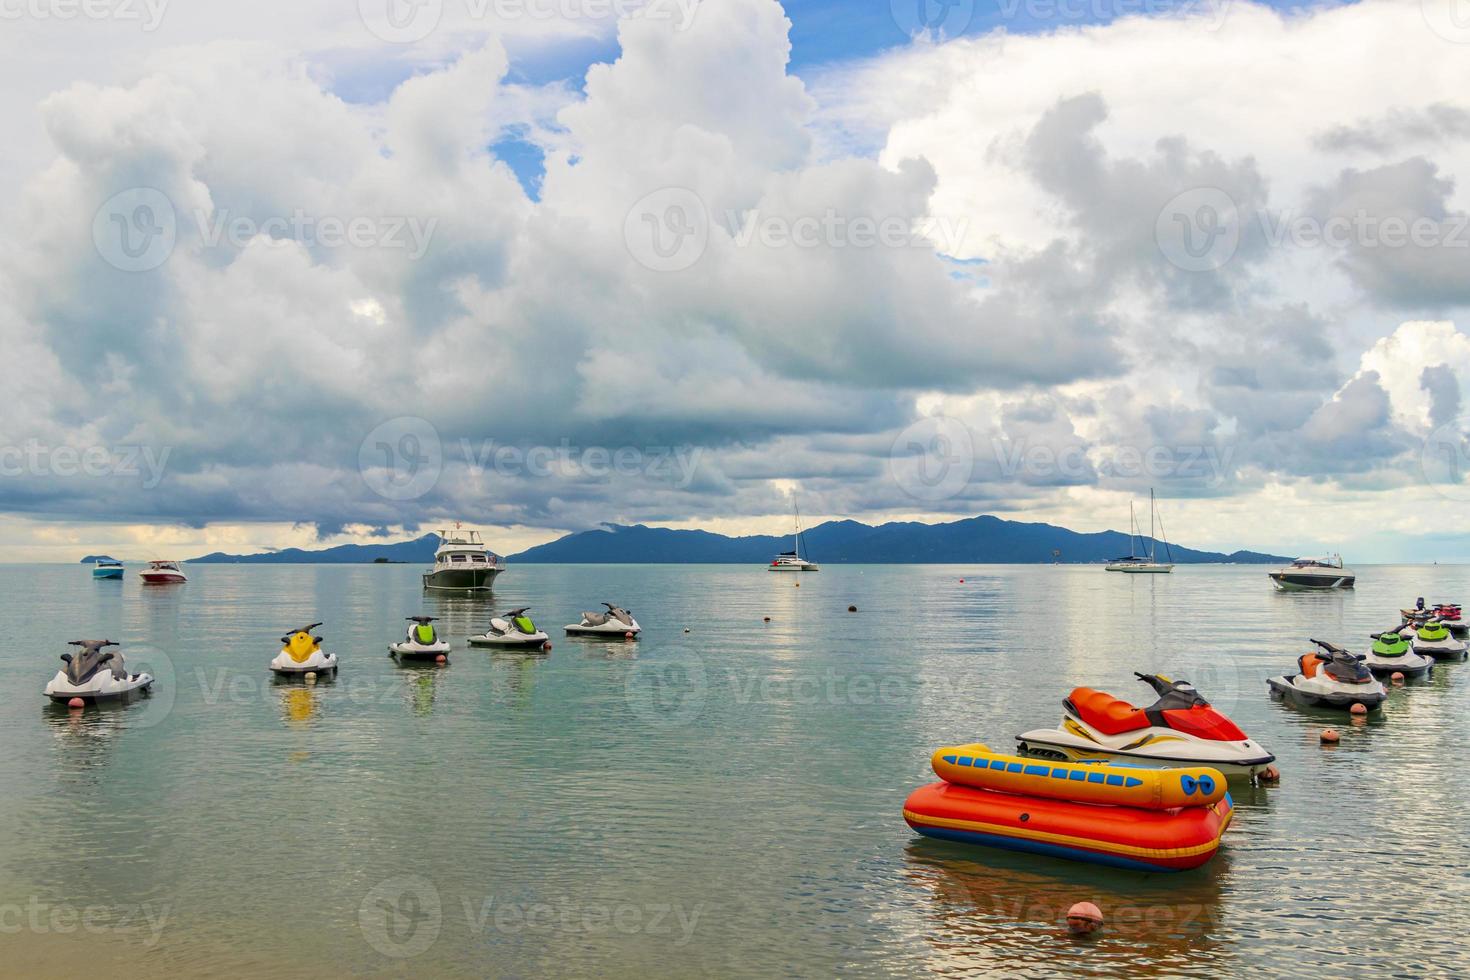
pixel 1179 729
pixel 95 674
pixel 1433 639
pixel 421 642
pixel 302 654
pixel 615 622
pixel 1448 613
pixel 514 629
pixel 1393 653
pixel 1338 680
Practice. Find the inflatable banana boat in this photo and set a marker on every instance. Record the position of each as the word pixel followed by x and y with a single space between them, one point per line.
pixel 1141 819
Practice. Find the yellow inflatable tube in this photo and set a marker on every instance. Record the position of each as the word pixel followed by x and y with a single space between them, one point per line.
pixel 1150 789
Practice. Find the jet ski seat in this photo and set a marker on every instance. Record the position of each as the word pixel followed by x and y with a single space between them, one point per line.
pixel 1109 715
pixel 594 619
pixel 1309 662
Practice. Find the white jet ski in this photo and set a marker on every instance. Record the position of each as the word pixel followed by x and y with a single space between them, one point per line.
pixel 1393 654
pixel 514 630
pixel 615 622
pixel 96 674
pixel 1181 728
pixel 422 641
pixel 1337 680
pixel 1433 639
pixel 302 654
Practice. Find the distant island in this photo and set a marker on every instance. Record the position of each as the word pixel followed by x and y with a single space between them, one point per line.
pixel 94 559
pixel 974 540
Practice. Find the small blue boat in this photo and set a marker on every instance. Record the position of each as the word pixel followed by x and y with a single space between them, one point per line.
pixel 107 568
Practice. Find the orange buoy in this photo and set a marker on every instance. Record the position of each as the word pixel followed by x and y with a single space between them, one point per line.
pixel 962 581
pixel 1270 775
pixel 628 635
pixel 1398 677
pixel 1358 709
pixel 76 703
pixel 441 659
pixel 1330 736
pixel 1084 918
pixel 546 645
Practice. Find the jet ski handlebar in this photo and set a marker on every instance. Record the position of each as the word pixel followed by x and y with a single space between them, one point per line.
pixel 1329 647
pixel 517 612
pixel 416 619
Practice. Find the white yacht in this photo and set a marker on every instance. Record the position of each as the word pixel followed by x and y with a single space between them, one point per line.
pixel 1314 573
pixel 1144 564
pixel 462 563
pixel 792 561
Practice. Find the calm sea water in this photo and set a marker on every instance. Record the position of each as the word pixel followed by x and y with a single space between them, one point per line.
pixel 723 801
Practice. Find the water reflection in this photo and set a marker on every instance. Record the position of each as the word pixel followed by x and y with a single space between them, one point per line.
pixel 996 908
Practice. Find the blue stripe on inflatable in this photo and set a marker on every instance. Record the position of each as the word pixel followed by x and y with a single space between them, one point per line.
pixel 1038 847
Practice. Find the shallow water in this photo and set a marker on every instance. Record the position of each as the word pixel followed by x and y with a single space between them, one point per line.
pixel 724 801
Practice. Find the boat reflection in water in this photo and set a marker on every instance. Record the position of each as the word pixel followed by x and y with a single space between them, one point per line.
pixel 1007 912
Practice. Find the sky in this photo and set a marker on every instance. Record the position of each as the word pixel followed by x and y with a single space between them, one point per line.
pixel 302 274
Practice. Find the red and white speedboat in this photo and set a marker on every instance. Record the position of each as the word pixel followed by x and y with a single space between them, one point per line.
pixel 160 572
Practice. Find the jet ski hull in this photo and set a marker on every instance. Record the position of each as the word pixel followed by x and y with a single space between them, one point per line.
pixel 137 685
pixel 513 642
pixel 1371 699
pixel 1388 666
pixel 1441 650
pixel 1050 743
pixel 415 651
pixel 285 666
pixel 615 630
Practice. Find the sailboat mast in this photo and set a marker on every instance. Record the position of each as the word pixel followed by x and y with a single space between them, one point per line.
pixel 796 509
pixel 1151 542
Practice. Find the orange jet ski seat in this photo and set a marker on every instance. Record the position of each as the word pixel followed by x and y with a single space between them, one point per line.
pixel 1109 715
pixel 1309 662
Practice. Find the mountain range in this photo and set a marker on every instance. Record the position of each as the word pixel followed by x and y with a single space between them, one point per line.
pixel 974 540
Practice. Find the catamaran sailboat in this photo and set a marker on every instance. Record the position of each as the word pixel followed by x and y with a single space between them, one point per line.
pixel 1136 563
pixel 792 561
pixel 462 563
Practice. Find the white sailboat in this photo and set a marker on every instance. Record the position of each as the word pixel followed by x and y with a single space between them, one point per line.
pixel 1139 564
pixel 792 561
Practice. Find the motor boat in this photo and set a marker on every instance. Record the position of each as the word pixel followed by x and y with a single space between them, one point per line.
pixel 422 641
pixel 96 674
pixel 302 654
pixel 1313 573
pixel 514 630
pixel 1433 639
pixel 1181 728
pixel 162 572
pixel 615 622
pixel 1138 564
pixel 107 568
pixel 1393 653
pixel 792 561
pixel 1338 680
pixel 462 563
